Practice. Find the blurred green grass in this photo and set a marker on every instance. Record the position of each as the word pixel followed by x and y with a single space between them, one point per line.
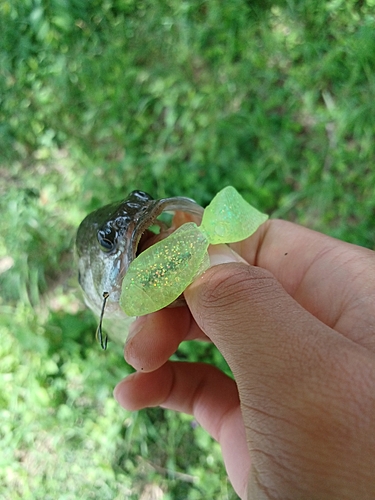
pixel 175 98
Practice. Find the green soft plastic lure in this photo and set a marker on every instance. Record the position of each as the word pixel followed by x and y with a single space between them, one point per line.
pixel 160 274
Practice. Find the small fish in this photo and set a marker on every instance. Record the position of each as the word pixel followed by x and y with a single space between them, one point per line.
pixel 110 238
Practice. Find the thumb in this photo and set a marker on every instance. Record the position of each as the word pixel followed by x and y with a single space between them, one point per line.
pixel 289 371
pixel 249 316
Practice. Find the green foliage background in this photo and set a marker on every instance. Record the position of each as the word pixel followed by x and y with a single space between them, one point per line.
pixel 175 98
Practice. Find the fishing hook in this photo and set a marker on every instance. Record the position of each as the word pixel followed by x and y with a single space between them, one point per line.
pixel 99 333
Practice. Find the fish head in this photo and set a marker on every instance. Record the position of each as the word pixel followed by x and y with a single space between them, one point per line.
pixel 110 238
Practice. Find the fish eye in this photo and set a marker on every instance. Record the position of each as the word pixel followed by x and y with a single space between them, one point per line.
pixel 107 240
pixel 107 245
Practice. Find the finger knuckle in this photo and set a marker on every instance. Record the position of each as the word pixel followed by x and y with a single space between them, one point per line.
pixel 227 290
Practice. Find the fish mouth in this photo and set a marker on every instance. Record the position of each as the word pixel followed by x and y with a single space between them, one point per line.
pixel 149 238
pixel 161 220
pixel 161 229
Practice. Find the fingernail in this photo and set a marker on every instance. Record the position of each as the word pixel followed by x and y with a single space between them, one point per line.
pixel 136 327
pixel 222 254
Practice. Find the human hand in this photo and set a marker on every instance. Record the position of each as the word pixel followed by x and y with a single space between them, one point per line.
pixel 298 332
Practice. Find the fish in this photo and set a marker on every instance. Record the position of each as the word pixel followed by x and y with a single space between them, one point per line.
pixel 109 239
